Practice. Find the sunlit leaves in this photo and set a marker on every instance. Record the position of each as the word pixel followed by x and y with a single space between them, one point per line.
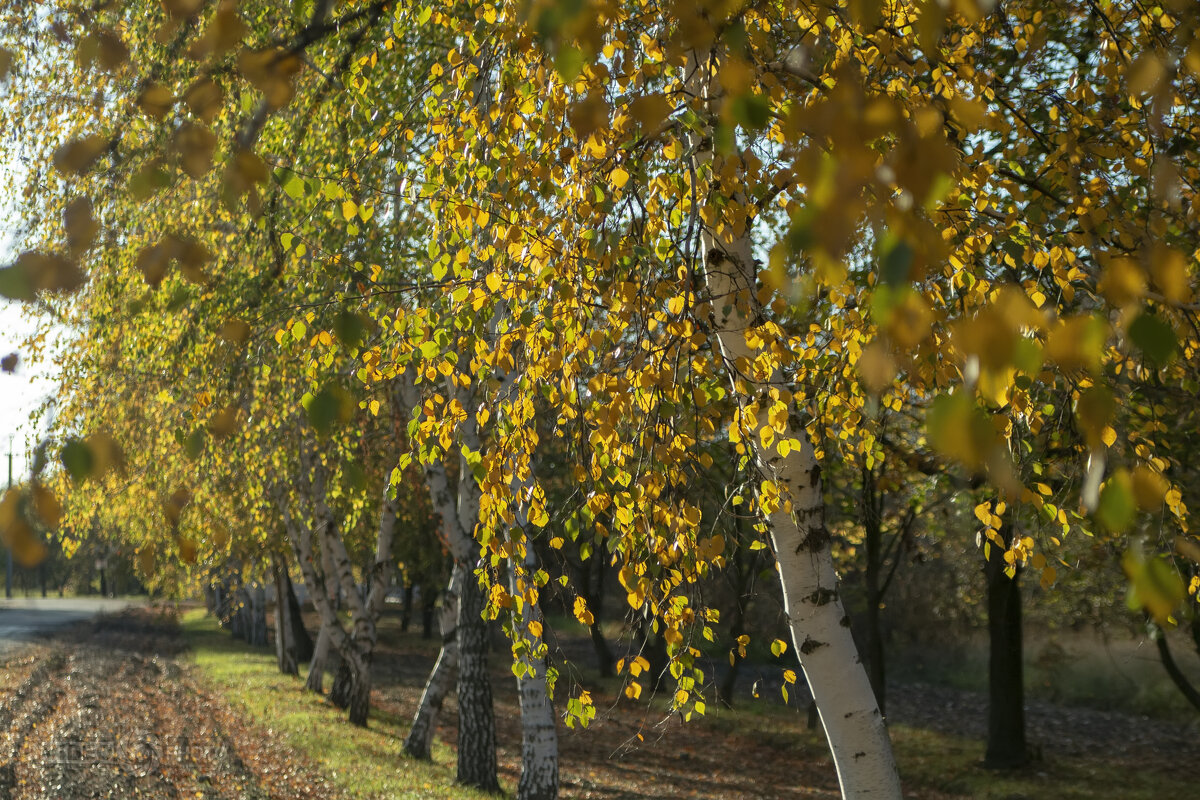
pixel 582 613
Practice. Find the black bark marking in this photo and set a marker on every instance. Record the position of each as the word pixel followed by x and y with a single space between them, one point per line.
pixel 811 645
pixel 845 623
pixel 823 597
pixel 818 539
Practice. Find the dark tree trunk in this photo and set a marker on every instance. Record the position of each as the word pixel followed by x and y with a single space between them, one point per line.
pixel 1006 748
pixel 428 606
pixel 301 639
pixel 406 614
pixel 342 690
pixel 358 699
pixel 593 595
pixel 873 530
pixel 238 617
pixel 654 649
pixel 744 564
pixel 1176 674
pixel 729 680
pixel 476 716
pixel 604 656
pixel 285 645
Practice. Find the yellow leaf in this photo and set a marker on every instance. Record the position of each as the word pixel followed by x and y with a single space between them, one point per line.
pixel 583 614
pixel 1108 436
pixel 349 209
pixel 619 177
pixel 493 282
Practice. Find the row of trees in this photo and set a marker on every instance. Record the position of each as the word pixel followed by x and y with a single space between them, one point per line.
pixel 344 283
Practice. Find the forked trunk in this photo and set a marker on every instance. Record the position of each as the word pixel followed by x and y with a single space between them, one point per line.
pixel 419 742
pixel 319 663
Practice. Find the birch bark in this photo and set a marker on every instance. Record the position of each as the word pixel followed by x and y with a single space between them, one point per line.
pixel 853 724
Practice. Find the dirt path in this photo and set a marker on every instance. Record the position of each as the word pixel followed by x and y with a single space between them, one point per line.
pixel 103 711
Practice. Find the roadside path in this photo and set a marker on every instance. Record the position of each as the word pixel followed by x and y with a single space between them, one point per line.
pixel 25 618
pixel 102 710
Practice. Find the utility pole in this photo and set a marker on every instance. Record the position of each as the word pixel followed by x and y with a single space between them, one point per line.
pixel 9 571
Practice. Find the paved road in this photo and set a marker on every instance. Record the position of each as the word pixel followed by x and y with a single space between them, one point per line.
pixel 23 618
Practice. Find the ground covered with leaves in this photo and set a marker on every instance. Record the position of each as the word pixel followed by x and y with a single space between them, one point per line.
pixel 104 710
pixel 119 708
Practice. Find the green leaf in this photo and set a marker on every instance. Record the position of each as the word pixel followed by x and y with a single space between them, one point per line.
pixel 430 350
pixel 193 446
pixel 78 460
pixel 1154 337
pixel 1117 507
pixel 327 406
pixel 351 329
pixel 569 62
pixel 1154 584
pixel 15 284
pixel 751 110
pixel 895 263
pixel 291 183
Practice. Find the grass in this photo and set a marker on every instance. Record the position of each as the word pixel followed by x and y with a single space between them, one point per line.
pixel 368 763
pixel 952 766
pixel 365 762
pixel 1074 669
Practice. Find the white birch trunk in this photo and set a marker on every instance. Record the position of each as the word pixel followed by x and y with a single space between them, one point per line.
pixel 459 512
pixel 820 629
pixel 539 737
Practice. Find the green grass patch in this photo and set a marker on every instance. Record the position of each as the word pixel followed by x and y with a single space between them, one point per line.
pixel 365 762
pixel 953 766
